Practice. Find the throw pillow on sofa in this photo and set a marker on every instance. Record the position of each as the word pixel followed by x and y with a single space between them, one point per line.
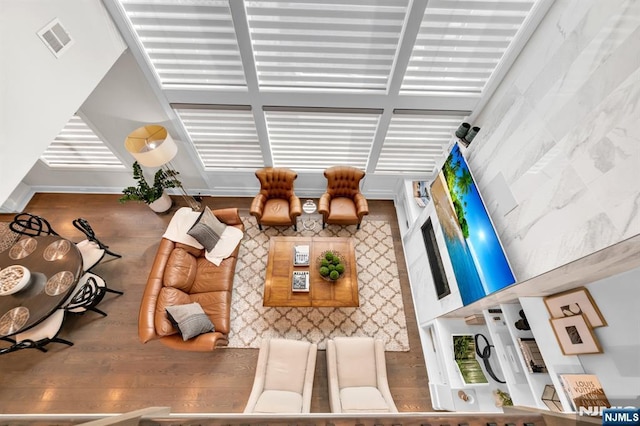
pixel 190 320
pixel 207 229
pixel 184 219
pixel 229 240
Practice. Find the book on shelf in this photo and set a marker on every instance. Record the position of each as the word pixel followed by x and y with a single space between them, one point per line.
pixel 301 255
pixel 420 192
pixel 532 356
pixel 300 281
pixel 584 390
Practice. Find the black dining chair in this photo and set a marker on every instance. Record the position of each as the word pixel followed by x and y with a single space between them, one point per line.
pixel 31 225
pixel 7 349
pixel 92 249
pixel 90 291
pixel 40 335
pixel 7 339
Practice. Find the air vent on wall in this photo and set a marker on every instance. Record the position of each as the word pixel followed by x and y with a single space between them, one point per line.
pixel 55 37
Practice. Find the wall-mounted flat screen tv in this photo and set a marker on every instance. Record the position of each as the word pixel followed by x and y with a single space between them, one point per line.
pixel 479 262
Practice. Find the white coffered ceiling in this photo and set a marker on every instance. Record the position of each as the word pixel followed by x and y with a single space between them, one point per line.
pixel 381 85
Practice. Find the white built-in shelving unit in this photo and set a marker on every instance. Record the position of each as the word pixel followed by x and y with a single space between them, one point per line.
pixel 509 356
pixel 556 362
pixel 438 319
pixel 437 324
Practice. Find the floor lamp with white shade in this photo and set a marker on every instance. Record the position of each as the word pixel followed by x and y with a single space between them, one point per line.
pixel 153 146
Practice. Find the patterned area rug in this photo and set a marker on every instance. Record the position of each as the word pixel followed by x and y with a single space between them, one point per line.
pixel 381 312
pixel 7 236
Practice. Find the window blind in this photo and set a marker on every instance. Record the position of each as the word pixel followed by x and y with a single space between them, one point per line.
pixel 317 140
pixel 188 43
pixel 460 44
pixel 328 44
pixel 78 146
pixel 415 142
pixel 224 139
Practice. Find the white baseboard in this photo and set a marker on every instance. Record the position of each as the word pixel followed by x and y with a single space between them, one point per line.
pixel 18 200
pixel 23 194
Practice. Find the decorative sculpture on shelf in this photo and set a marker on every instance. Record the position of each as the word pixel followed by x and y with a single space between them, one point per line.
pixel 485 354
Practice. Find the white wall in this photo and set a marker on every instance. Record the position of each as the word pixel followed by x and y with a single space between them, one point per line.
pixel 121 102
pixel 563 130
pixel 39 93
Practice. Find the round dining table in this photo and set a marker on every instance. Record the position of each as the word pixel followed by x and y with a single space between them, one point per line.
pixel 55 266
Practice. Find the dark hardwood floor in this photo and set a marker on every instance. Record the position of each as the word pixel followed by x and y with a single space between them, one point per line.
pixel 109 371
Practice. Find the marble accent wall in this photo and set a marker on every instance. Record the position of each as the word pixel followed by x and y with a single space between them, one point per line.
pixel 564 130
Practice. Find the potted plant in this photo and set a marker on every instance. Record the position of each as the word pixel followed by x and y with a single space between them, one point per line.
pixel 502 398
pixel 153 195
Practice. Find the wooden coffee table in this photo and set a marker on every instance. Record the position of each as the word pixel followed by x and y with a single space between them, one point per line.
pixel 322 293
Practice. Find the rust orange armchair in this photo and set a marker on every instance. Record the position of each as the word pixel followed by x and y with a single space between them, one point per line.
pixel 276 204
pixel 343 203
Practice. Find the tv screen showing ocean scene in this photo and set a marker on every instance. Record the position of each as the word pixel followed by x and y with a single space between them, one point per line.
pixel 479 262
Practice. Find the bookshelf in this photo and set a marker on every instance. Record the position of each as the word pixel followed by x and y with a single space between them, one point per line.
pixel 557 363
pixel 445 380
pixel 439 318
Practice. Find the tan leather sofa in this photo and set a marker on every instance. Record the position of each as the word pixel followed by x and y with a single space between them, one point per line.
pixel 343 203
pixel 181 274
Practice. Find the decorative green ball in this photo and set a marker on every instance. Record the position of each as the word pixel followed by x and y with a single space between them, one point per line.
pixel 324 271
pixel 336 260
pixel 324 262
pixel 340 268
pixel 329 256
pixel 331 267
pixel 334 275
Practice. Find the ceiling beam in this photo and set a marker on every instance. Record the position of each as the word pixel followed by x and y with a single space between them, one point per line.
pixel 243 36
pixel 322 99
pixel 411 29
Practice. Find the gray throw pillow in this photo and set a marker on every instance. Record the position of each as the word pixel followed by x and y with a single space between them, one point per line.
pixel 190 320
pixel 207 229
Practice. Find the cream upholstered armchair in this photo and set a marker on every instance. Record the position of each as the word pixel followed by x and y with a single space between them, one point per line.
pixel 343 203
pixel 284 377
pixel 357 375
pixel 276 204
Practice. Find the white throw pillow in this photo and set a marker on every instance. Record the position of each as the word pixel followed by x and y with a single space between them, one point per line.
pixel 181 222
pixel 228 242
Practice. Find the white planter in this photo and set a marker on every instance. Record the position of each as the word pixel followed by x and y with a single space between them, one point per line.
pixel 162 204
